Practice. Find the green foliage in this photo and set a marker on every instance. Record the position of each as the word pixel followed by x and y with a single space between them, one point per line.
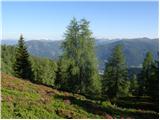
pixel 76 71
pixel 134 85
pixel 125 112
pixel 79 67
pixel 36 102
pixel 60 81
pixel 145 75
pixel 137 102
pixel 115 81
pixel 44 70
pixel 23 99
pixel 7 59
pixel 149 83
pixel 153 87
pixel 22 66
pixel 106 103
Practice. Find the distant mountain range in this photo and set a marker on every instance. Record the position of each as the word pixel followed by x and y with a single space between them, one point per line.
pixel 134 49
pixel 9 42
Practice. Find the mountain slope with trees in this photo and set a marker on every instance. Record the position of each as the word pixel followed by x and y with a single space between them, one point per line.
pixel 114 94
pixel 134 49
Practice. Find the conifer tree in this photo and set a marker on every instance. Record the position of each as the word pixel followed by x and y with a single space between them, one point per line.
pixel 61 78
pixel 79 69
pixel 153 89
pixel 90 81
pixel 150 76
pixel 22 66
pixel 115 82
pixel 70 57
pixel 146 73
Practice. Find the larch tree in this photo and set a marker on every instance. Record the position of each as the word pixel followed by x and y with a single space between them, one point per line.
pixel 79 69
pixel 115 81
pixel 145 75
pixel 90 81
pixel 150 76
pixel 153 89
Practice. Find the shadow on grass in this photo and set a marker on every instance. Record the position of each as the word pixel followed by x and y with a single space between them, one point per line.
pixel 137 105
pixel 138 102
pixel 84 104
pixel 98 109
pixel 137 98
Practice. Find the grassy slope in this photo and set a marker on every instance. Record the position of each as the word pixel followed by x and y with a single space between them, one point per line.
pixel 23 99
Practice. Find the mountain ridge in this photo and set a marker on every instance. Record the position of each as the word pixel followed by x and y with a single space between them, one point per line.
pixel 134 49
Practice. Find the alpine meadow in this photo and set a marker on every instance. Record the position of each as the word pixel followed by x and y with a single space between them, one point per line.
pixel 80 60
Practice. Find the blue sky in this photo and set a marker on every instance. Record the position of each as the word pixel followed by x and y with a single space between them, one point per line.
pixel 48 20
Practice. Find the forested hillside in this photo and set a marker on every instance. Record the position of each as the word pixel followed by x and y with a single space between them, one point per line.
pixel 72 87
pixel 44 69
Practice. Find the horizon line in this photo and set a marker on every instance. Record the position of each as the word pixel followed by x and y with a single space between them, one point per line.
pixel 103 38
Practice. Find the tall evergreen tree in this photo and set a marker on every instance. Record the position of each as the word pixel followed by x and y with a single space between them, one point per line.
pixel 79 69
pixel 146 73
pixel 155 77
pixel 22 66
pixel 90 81
pixel 70 57
pixel 115 82
pixel 153 87
pixel 150 76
